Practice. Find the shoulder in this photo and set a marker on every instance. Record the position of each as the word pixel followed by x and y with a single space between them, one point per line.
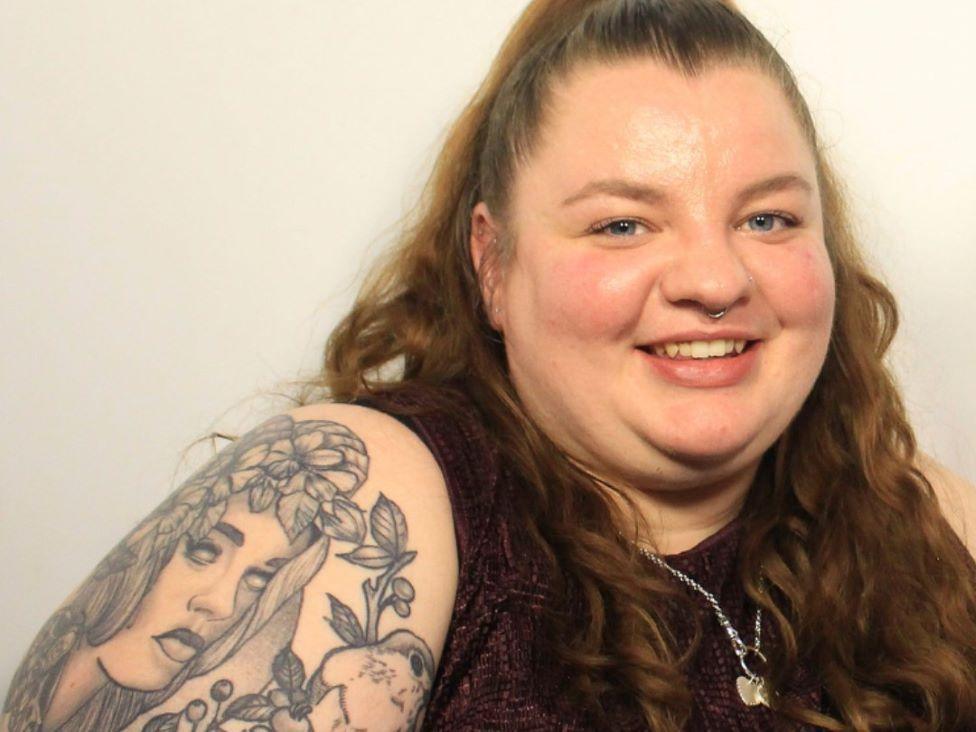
pixel 956 496
pixel 397 460
pixel 398 466
pixel 387 590
pixel 389 444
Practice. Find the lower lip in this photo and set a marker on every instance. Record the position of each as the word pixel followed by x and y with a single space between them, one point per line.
pixel 706 373
pixel 175 650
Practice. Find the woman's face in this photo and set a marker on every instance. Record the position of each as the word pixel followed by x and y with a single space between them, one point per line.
pixel 203 590
pixel 650 199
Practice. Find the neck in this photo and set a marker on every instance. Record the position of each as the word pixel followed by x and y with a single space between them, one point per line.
pixel 679 518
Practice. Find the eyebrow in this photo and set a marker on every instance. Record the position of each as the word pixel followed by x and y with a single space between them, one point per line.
pixel 231 532
pixel 634 191
pixel 276 562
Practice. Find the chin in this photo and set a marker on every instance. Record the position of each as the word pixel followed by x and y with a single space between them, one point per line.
pixel 708 448
pixel 145 678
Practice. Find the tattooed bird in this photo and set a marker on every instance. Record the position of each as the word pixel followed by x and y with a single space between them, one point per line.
pixel 384 686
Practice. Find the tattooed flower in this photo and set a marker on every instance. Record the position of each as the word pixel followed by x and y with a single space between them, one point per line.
pixel 315 464
pixel 276 428
pixel 298 464
pixel 248 466
pixel 240 471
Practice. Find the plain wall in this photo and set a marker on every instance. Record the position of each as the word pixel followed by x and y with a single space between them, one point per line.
pixel 189 192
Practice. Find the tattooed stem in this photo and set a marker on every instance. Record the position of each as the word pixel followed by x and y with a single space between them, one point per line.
pixel 376 593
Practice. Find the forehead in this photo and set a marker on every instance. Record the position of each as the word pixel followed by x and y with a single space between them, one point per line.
pixel 260 534
pixel 643 121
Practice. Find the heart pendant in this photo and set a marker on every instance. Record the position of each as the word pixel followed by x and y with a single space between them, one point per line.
pixel 752 691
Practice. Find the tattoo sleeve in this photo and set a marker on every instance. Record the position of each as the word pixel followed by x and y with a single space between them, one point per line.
pixel 188 624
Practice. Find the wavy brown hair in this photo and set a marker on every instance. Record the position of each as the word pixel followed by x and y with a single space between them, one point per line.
pixel 865 580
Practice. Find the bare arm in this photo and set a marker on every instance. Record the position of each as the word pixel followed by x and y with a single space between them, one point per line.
pixel 304 578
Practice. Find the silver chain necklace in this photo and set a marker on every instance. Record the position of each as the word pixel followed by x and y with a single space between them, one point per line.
pixel 751 686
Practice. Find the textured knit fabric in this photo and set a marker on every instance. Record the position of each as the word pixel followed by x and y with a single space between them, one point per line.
pixel 492 674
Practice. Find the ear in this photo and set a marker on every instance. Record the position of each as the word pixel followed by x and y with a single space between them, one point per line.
pixel 484 257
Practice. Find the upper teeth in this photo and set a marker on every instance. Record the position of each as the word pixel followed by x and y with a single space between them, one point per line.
pixel 700 349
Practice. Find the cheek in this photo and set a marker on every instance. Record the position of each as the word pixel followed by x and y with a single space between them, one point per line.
pixel 592 294
pixel 800 285
pixel 168 595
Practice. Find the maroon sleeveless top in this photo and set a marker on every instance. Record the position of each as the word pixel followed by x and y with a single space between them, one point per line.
pixel 492 675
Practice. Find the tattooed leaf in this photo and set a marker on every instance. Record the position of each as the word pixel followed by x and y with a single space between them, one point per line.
pixel 346 522
pixel 175 519
pixel 250 708
pixel 371 557
pixel 388 525
pixel 192 495
pixel 163 723
pixel 345 623
pixel 261 495
pixel 120 558
pixel 296 513
pixel 316 688
pixel 207 520
pixel 288 669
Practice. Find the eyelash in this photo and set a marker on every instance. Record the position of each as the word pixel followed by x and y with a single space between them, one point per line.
pixel 789 222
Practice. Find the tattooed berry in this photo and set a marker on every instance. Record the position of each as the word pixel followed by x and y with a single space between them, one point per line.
pixel 279 698
pixel 403 589
pixel 196 710
pixel 221 690
pixel 402 608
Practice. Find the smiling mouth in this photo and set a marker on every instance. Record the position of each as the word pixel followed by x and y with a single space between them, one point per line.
pixel 699 350
pixel 180 645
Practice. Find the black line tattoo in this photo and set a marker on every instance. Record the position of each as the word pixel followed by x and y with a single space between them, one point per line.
pixel 228 552
pixel 368 683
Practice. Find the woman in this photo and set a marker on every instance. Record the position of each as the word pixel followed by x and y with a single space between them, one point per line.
pixel 661 470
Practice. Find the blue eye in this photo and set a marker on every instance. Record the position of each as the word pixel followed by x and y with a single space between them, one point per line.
pixel 765 222
pixel 617 227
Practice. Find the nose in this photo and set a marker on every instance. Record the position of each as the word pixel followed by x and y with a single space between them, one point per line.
pixel 216 601
pixel 707 274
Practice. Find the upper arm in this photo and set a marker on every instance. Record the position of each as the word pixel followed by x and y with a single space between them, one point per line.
pixel 956 496
pixel 406 612
pixel 307 572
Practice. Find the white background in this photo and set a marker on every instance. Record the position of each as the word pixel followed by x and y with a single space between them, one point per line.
pixel 189 192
